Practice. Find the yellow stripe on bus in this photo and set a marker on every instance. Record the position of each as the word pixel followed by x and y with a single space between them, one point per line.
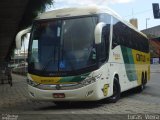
pixel 45 80
pixel 142 62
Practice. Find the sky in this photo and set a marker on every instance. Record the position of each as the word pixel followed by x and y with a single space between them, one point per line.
pixel 127 9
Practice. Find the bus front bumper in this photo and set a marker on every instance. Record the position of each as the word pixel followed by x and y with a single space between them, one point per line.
pixel 86 93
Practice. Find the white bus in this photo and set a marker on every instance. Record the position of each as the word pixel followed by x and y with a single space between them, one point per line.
pixel 84 54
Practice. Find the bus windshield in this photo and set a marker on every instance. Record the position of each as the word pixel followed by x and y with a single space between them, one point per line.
pixel 63 44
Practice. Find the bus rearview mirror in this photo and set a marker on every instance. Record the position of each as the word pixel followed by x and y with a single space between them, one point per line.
pixel 19 37
pixel 98 32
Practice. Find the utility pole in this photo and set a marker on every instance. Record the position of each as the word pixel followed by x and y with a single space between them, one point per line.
pixel 147 22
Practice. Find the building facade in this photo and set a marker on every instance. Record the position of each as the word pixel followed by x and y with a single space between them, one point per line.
pixel 154 36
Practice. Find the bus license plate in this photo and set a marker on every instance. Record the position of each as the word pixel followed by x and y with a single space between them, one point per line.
pixel 58 95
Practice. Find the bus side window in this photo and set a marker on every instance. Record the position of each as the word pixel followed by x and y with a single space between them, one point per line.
pixel 116 33
pixel 125 35
pixel 103 45
pixel 146 46
pixel 134 40
pixel 115 40
pixel 131 44
pixel 140 44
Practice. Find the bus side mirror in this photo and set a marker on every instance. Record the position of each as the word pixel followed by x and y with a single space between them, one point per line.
pixel 98 32
pixel 19 37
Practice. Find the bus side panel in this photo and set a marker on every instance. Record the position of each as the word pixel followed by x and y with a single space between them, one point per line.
pixel 142 64
pixel 117 66
pixel 129 65
pixel 136 64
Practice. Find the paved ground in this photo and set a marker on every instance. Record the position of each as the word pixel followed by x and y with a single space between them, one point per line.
pixel 14 101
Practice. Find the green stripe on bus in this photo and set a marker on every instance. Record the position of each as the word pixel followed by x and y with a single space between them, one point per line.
pixel 129 63
pixel 78 78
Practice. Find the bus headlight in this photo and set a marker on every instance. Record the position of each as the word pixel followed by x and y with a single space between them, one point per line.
pixel 32 83
pixel 90 80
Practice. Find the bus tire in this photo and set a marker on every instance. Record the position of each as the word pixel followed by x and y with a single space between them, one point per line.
pixel 145 82
pixel 142 86
pixel 116 91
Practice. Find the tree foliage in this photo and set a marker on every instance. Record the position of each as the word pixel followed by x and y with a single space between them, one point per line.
pixel 33 8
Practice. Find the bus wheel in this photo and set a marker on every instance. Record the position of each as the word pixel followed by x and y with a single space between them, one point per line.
pixel 145 82
pixel 116 91
pixel 142 86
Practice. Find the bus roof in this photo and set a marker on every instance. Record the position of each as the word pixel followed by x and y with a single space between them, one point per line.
pixel 78 11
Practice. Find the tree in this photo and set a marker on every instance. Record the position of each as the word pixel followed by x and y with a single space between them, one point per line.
pixel 33 8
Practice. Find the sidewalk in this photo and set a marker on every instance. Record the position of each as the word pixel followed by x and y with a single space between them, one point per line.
pixel 155 68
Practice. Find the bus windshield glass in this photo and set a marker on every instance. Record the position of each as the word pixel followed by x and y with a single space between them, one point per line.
pixel 63 44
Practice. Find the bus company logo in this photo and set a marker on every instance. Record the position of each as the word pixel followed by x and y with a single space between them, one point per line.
pixel 116 56
pixel 47 81
pixel 140 57
pixel 57 74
